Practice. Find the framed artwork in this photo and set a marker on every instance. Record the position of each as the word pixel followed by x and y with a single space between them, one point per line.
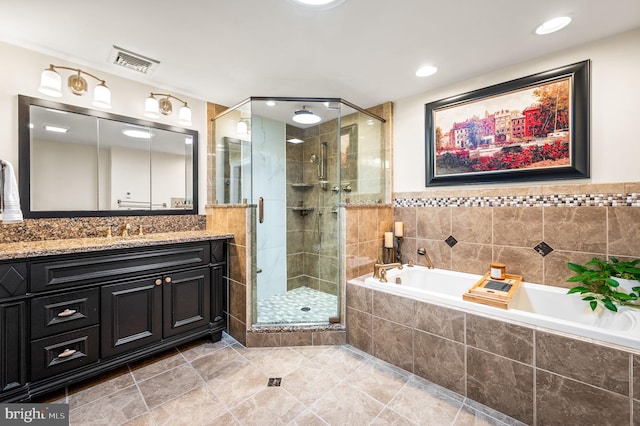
pixel 531 128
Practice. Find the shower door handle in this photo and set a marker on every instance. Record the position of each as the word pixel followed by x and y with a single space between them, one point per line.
pixel 260 209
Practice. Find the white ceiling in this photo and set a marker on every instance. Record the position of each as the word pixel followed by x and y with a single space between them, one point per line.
pixel 364 51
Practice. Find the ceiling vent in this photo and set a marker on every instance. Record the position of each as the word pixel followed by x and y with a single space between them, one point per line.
pixel 133 61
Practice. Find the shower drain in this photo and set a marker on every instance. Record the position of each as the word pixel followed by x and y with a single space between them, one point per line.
pixel 305 309
pixel 274 381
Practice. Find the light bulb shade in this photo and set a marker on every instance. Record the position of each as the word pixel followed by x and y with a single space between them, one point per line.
pixel 50 83
pixel 151 106
pixel 102 96
pixel 242 129
pixel 184 116
pixel 304 116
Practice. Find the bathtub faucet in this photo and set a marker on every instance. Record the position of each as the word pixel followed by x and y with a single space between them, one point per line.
pixel 383 267
pixel 423 252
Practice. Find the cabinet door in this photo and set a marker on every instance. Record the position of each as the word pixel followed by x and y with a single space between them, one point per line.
pixel 13 340
pixel 131 315
pixel 186 299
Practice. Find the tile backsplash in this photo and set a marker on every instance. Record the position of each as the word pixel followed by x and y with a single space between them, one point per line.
pixel 83 227
pixel 534 231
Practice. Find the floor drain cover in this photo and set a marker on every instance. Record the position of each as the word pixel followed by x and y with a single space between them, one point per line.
pixel 274 381
pixel 305 309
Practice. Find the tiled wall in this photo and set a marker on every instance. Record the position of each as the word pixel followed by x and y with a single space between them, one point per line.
pixel 363 229
pixel 575 222
pixel 535 376
pixel 90 227
pixel 236 220
pixel 312 237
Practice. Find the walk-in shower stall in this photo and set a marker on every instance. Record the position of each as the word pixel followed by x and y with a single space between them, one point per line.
pixel 298 160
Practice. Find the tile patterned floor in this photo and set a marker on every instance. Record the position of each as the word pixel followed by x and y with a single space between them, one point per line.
pixel 286 308
pixel 224 383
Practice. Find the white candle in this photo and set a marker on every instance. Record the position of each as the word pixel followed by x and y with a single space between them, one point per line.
pixel 399 229
pixel 388 239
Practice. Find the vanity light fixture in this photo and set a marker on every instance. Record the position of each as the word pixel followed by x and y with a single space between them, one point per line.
pixel 51 85
pixel 243 128
pixel 553 25
pixel 304 116
pixel 153 107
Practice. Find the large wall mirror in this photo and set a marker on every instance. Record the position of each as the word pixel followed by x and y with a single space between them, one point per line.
pixel 80 162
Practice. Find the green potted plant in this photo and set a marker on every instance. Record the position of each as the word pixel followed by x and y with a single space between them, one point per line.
pixel 609 283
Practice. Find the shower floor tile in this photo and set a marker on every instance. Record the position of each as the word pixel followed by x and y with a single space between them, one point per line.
pixel 300 305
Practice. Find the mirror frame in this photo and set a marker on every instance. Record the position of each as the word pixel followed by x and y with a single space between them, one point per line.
pixel 24 158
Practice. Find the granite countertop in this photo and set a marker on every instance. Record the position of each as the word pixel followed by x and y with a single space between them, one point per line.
pixel 9 251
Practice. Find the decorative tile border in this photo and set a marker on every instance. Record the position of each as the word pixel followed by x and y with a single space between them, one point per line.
pixel 571 200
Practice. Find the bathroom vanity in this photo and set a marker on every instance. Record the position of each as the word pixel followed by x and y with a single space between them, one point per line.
pixel 71 309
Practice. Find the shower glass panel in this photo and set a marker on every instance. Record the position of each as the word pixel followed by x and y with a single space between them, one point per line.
pixel 297 175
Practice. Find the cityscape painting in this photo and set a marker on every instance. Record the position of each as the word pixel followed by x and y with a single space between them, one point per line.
pixel 535 127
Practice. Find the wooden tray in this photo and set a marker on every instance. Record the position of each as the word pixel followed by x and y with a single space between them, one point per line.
pixel 492 292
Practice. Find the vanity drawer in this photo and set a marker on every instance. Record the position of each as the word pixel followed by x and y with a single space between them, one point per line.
pixel 63 352
pixel 73 271
pixel 65 312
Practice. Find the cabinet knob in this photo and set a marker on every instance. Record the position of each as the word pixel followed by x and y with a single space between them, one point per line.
pixel 66 353
pixel 167 280
pixel 158 281
pixel 67 312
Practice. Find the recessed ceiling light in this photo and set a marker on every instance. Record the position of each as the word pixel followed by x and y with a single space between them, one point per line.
pixel 426 71
pixel 138 134
pixel 57 111
pixel 295 140
pixel 55 129
pixel 553 25
pixel 319 4
pixel 271 103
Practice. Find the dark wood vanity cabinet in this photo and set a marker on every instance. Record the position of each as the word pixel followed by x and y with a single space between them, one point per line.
pixel 91 312
pixel 13 327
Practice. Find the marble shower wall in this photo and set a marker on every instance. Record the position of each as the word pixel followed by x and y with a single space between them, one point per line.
pixel 575 223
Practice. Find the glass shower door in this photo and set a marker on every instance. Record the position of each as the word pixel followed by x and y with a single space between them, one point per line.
pixel 268 160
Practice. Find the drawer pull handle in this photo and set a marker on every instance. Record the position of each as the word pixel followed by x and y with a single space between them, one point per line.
pixel 167 280
pixel 66 353
pixel 67 312
pixel 158 281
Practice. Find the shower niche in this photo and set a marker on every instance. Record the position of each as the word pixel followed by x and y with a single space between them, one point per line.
pixel 298 160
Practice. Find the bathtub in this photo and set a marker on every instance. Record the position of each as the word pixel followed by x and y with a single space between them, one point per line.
pixel 533 304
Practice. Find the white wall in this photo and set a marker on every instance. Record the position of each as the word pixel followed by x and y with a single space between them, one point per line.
pixel 20 74
pixel 76 176
pixel 615 90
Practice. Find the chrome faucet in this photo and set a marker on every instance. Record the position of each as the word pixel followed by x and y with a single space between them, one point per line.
pixel 423 252
pixel 383 267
